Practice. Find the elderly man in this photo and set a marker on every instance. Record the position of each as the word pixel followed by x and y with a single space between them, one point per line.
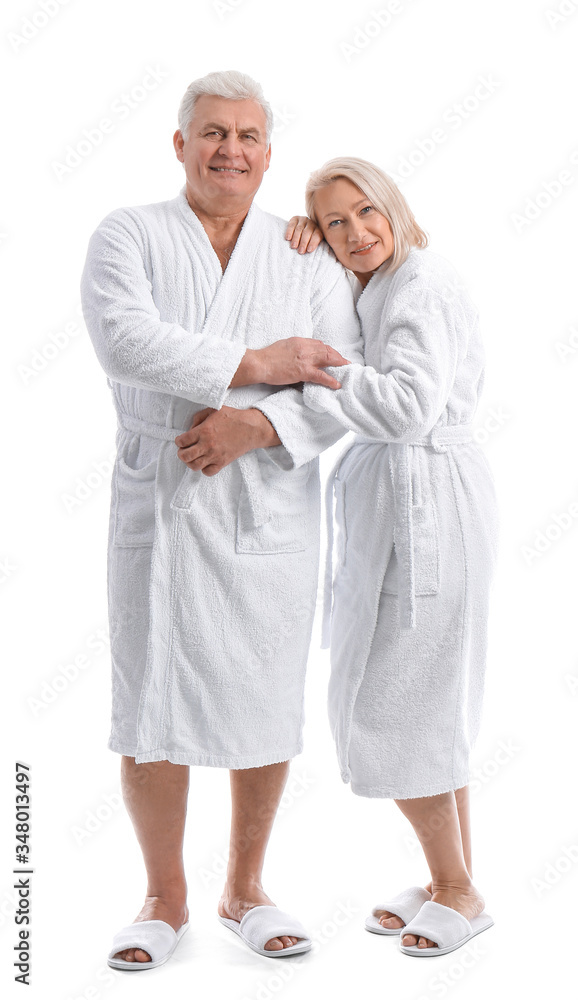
pixel 199 309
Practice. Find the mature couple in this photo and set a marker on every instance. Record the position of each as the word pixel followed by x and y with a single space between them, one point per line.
pixel 237 351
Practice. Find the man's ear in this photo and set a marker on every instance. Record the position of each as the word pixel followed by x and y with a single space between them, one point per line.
pixel 268 157
pixel 178 143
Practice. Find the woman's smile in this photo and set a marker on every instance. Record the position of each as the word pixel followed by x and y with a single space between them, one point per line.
pixel 365 249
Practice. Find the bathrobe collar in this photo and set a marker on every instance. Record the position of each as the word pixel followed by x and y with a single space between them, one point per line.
pixel 245 248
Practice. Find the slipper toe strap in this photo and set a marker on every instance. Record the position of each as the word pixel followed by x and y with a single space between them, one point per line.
pixel 261 923
pixel 439 923
pixel 154 936
pixel 406 904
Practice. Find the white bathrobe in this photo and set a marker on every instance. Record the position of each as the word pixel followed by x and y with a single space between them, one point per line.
pixel 211 580
pixel 417 537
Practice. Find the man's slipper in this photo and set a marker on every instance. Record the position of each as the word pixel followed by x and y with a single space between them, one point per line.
pixel 406 905
pixel 153 936
pixel 261 923
pixel 448 928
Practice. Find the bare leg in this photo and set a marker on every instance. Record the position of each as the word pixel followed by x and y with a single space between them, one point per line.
pixel 436 822
pixel 462 799
pixel 255 796
pixel 155 796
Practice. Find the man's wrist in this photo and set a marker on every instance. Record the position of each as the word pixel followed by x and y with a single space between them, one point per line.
pixel 266 433
pixel 249 371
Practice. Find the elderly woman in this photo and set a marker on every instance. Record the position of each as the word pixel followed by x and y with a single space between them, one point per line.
pixel 417 530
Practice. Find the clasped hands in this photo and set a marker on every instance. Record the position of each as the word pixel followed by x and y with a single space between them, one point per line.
pixel 217 437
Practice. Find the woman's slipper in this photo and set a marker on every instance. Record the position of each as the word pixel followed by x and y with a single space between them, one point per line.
pixel 444 925
pixel 261 923
pixel 406 905
pixel 153 936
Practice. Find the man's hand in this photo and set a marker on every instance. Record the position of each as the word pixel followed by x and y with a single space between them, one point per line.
pixel 295 359
pixel 218 437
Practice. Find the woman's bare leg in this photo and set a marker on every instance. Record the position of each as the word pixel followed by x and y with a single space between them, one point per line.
pixel 155 796
pixel 255 796
pixel 436 821
pixel 462 798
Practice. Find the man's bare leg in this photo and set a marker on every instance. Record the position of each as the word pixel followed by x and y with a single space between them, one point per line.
pixel 462 797
pixel 255 796
pixel 155 796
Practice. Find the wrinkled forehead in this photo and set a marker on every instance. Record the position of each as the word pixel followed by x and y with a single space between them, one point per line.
pixel 240 116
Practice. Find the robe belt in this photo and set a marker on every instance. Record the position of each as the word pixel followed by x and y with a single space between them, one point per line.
pixel 248 464
pixel 399 455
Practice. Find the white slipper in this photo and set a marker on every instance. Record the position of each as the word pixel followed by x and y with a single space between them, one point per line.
pixel 261 923
pixel 448 928
pixel 154 936
pixel 405 905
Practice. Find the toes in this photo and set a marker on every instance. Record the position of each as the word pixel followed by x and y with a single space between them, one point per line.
pixel 133 955
pixel 391 921
pixel 275 944
pixel 409 940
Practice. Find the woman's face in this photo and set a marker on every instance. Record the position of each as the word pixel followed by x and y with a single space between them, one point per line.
pixel 358 234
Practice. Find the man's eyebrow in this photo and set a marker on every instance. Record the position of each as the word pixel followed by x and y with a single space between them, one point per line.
pixel 357 204
pixel 223 128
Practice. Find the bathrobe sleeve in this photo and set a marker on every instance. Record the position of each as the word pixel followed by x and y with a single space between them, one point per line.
pixel 423 338
pixel 133 345
pixel 303 433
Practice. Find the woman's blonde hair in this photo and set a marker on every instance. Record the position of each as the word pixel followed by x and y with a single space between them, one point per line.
pixel 381 191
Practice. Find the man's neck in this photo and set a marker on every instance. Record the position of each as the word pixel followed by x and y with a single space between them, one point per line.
pixel 220 225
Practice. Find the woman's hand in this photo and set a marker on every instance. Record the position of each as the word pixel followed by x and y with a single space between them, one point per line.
pixel 305 236
pixel 285 362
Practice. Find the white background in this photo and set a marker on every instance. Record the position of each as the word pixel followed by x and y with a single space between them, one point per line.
pixel 341 82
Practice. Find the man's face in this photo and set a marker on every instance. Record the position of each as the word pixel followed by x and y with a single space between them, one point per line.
pixel 226 153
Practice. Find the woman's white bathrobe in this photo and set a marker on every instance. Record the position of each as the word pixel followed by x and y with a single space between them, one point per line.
pixel 211 580
pixel 417 532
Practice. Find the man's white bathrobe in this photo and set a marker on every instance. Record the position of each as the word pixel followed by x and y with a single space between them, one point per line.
pixel 211 580
pixel 409 620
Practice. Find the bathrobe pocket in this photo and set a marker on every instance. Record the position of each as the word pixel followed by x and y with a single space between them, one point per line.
pixel 426 555
pixel 286 501
pixel 133 495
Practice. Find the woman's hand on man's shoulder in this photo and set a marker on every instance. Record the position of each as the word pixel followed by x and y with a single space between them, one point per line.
pixel 304 234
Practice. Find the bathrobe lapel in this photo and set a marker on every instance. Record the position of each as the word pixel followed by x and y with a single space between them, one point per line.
pixel 222 321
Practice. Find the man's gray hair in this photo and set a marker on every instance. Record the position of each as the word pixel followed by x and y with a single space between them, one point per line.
pixel 232 85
